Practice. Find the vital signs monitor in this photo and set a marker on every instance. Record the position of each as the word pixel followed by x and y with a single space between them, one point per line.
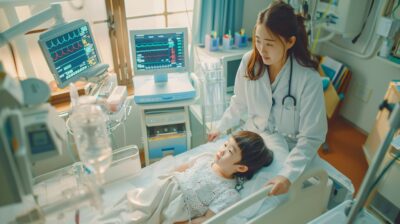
pixel 159 51
pixel 162 53
pixel 71 52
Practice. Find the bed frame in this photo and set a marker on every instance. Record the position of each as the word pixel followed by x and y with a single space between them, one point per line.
pixel 308 198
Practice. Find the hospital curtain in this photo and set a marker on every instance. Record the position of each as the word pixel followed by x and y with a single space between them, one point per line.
pixel 220 16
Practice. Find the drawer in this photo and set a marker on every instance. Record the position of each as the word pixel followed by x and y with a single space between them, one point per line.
pixel 160 147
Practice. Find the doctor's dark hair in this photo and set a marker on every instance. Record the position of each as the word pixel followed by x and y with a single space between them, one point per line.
pixel 255 154
pixel 279 19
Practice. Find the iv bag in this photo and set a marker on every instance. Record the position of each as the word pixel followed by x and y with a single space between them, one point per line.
pixel 89 127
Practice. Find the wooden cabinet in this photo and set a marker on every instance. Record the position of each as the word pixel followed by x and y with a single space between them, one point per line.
pixel 381 126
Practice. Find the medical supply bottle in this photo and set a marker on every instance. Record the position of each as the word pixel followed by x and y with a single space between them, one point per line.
pixel 89 126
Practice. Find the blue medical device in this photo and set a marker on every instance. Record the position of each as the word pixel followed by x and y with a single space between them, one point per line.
pixel 71 53
pixel 158 52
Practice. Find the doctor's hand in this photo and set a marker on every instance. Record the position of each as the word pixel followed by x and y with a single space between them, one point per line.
pixel 212 136
pixel 280 184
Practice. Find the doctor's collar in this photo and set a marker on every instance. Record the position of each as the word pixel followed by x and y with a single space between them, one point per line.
pixel 285 66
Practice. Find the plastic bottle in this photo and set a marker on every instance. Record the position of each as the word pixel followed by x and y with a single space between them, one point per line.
pixel 89 127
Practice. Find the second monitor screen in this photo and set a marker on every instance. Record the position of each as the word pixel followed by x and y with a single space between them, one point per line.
pixel 72 52
pixel 159 51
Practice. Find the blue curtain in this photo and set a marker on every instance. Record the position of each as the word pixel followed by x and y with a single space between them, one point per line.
pixel 221 16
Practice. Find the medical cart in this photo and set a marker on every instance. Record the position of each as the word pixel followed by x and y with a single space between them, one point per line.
pixel 165 129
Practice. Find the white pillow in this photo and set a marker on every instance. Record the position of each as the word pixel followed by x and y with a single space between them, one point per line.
pixel 278 145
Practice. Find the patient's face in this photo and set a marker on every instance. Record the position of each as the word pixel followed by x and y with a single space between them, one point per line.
pixel 228 156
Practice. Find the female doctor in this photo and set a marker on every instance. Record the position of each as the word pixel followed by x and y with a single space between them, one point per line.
pixel 277 85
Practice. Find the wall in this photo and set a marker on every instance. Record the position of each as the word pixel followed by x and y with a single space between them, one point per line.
pixel 250 12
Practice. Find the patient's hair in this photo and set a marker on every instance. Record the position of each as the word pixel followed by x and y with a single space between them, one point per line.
pixel 255 154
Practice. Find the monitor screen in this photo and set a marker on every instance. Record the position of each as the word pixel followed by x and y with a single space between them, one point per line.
pixel 70 52
pixel 159 50
pixel 40 141
pixel 230 67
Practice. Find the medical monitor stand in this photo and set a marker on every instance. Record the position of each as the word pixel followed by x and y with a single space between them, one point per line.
pixel 161 78
pixel 162 88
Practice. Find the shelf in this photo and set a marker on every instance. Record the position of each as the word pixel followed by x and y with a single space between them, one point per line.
pixel 203 52
pixel 180 103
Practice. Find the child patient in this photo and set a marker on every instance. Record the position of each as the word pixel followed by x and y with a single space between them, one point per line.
pixel 202 187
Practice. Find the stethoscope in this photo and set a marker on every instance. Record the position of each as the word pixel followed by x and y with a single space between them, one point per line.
pixel 289 100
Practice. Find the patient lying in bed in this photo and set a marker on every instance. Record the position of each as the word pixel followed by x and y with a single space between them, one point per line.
pixel 204 186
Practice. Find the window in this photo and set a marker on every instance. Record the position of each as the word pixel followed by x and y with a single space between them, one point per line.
pixel 139 15
pixel 159 14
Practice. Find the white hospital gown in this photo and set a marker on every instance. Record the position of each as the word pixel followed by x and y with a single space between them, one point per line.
pixel 177 197
pixel 204 189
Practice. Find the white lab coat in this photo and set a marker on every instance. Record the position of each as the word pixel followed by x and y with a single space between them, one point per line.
pixel 303 127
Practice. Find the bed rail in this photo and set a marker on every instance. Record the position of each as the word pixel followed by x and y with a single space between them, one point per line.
pixel 308 198
pixel 240 206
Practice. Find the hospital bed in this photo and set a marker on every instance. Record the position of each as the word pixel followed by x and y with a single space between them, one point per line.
pixel 308 197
